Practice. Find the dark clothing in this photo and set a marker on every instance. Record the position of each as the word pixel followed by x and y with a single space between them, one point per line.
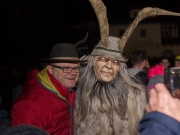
pixel 7 82
pixel 156 123
pixel 4 124
pixel 142 75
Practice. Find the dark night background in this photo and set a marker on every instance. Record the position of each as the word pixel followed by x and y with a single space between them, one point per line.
pixel 29 28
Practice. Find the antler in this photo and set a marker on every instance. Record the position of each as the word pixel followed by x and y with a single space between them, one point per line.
pixel 81 48
pixel 100 11
pixel 146 12
pixel 82 41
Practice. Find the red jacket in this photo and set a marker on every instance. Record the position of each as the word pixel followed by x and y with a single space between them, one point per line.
pixel 39 106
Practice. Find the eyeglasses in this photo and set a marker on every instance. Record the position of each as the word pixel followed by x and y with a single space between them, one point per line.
pixel 104 59
pixel 67 69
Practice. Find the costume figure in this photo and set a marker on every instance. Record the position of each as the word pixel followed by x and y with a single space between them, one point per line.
pixel 109 101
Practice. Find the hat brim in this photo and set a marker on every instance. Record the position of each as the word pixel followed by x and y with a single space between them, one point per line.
pixel 61 60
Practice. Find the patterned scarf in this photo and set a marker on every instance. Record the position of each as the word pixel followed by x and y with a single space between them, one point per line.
pixel 44 79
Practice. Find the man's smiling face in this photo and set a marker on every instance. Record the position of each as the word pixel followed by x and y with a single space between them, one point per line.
pixel 106 69
pixel 68 80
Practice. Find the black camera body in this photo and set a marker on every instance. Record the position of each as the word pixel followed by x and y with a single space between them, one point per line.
pixel 172 79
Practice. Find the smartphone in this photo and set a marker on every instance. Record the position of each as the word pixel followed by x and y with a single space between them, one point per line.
pixel 172 80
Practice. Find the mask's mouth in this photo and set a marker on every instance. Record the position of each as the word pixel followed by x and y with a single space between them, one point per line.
pixel 106 72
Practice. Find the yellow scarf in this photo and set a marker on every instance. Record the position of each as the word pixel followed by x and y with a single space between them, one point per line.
pixel 46 82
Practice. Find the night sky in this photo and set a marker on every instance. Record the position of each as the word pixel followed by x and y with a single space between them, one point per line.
pixel 29 28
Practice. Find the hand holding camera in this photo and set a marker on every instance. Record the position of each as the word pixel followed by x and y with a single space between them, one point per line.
pixel 170 77
pixel 172 81
pixel 161 100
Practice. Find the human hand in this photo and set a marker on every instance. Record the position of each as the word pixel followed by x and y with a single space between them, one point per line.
pixel 160 100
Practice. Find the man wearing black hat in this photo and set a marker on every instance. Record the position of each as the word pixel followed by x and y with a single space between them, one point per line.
pixel 48 95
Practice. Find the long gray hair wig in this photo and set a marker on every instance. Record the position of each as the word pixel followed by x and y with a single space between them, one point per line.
pixel 104 106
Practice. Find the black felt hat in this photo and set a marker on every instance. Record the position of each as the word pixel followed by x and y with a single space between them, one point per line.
pixel 63 52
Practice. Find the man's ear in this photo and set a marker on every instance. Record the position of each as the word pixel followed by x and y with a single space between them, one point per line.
pixel 50 69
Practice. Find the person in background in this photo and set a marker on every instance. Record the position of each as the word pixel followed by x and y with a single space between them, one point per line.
pixel 163 117
pixel 177 61
pixel 147 65
pixel 48 95
pixel 165 62
pixel 138 63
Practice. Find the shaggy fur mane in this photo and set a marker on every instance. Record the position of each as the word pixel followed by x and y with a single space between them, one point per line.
pixel 101 108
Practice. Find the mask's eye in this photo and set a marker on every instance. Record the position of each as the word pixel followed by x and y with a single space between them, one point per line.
pixel 116 62
pixel 103 59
